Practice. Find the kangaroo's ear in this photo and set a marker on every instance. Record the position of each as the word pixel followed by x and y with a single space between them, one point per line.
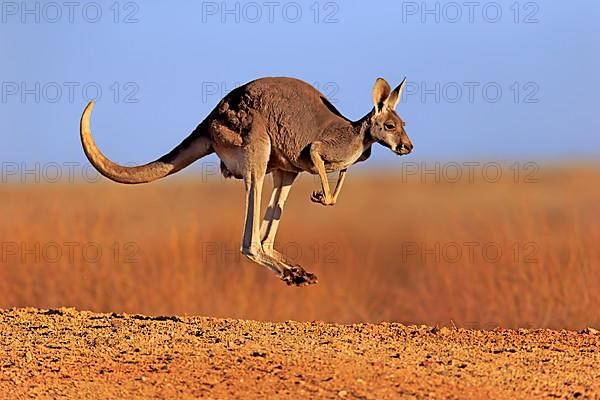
pixel 381 91
pixel 394 98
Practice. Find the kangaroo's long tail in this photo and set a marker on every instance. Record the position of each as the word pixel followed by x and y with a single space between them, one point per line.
pixel 195 146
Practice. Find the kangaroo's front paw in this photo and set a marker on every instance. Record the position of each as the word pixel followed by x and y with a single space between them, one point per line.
pixel 297 276
pixel 320 198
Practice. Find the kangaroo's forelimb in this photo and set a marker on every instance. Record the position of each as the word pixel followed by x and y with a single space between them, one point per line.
pixel 325 197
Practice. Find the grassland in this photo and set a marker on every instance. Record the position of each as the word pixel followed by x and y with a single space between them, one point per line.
pixel 474 254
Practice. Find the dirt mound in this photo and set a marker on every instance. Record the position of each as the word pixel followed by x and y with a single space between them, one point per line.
pixel 52 353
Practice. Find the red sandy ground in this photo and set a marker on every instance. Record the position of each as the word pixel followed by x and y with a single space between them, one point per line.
pixel 66 353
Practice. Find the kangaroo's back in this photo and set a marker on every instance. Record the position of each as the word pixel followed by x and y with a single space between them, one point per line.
pixel 294 112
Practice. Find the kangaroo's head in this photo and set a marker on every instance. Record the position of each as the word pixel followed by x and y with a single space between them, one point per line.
pixel 387 128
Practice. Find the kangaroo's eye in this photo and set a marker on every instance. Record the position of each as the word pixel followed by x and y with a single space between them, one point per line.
pixel 389 126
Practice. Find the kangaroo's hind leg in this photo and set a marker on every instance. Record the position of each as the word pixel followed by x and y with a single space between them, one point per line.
pixel 265 227
pixel 282 184
pixel 256 156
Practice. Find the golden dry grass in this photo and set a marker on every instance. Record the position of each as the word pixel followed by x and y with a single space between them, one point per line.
pixel 186 234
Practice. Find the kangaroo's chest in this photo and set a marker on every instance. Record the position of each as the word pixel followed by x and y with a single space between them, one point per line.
pixel 344 159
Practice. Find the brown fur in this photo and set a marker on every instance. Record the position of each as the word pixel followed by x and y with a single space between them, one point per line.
pixel 278 125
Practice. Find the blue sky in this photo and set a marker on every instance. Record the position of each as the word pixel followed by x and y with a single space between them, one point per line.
pixel 519 85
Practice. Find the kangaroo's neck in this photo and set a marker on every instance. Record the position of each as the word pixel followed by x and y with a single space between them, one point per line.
pixel 362 128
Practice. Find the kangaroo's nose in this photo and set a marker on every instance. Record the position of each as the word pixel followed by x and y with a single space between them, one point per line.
pixel 406 148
